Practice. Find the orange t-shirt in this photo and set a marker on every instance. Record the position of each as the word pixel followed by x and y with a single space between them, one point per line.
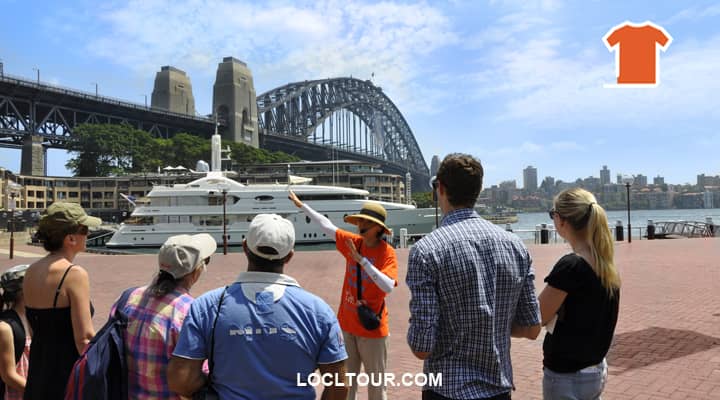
pixel 384 259
pixel 637 52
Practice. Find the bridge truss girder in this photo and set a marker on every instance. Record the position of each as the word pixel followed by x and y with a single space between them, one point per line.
pixel 298 110
pixel 30 108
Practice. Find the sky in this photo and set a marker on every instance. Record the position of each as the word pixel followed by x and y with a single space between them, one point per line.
pixel 512 82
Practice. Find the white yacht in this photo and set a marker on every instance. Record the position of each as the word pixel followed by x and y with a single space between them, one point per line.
pixel 197 207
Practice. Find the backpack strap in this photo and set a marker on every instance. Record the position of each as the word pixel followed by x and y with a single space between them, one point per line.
pixel 122 301
pixel 211 360
pixel 57 291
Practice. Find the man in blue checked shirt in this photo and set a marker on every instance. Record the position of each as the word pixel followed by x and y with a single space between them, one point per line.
pixel 472 287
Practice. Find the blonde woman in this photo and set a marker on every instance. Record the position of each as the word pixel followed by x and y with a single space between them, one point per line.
pixel 579 304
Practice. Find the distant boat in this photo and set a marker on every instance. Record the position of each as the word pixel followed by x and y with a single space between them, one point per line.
pixel 499 215
pixel 502 218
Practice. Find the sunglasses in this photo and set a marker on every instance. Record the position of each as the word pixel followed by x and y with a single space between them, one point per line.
pixel 552 213
pixel 82 230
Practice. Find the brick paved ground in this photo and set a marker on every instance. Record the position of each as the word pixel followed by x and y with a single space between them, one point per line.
pixel 667 344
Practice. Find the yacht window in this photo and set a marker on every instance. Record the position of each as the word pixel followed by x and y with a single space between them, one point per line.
pixel 307 219
pixel 264 198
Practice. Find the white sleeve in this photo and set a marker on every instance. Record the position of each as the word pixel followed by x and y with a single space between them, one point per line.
pixel 325 224
pixel 383 281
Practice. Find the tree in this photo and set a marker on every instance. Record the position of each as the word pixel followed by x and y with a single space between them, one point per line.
pixel 423 199
pixel 104 149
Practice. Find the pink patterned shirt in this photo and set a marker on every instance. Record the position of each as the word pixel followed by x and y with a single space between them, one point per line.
pixel 153 328
pixel 22 370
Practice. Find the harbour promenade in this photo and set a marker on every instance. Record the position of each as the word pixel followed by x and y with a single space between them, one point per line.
pixel 667 342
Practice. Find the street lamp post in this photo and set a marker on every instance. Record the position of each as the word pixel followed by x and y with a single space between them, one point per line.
pixel 96 88
pixel 225 237
pixel 628 180
pixel 38 74
pixel 12 224
pixel 145 100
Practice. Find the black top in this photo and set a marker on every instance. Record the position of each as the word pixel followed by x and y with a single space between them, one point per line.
pixel 53 352
pixel 586 319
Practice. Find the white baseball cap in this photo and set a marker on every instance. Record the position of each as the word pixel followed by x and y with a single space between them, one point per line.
pixel 273 231
pixel 181 254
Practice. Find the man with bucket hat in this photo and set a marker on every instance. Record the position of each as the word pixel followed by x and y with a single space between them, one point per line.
pixel 370 275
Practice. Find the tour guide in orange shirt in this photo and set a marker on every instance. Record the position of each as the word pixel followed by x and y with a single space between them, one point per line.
pixel 379 276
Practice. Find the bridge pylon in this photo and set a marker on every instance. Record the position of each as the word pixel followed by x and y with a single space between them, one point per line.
pixel 234 102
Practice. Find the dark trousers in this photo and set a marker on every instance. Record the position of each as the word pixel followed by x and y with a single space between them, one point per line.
pixel 430 395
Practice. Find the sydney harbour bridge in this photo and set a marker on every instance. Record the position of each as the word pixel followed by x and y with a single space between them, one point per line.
pixel 327 119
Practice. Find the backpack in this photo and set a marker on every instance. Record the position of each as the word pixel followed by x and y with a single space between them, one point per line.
pixel 18 330
pixel 101 371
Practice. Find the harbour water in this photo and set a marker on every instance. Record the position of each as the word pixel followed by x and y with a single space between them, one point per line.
pixel 525 227
pixel 527 222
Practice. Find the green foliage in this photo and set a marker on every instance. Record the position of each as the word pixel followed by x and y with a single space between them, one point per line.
pixel 244 154
pixel 423 199
pixel 105 149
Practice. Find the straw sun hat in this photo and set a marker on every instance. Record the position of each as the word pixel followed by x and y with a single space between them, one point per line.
pixel 372 212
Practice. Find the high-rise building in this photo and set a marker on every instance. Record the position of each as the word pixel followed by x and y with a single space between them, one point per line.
pixel 604 175
pixel 658 180
pixel 618 179
pixel 434 165
pixel 640 180
pixel 530 182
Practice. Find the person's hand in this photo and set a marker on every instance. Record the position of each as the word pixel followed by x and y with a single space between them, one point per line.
pixel 353 251
pixel 293 197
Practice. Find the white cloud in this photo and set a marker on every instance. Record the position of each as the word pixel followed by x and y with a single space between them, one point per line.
pixel 544 85
pixel 694 13
pixel 282 42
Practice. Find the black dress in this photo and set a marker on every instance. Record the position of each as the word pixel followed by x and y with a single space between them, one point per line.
pixel 53 351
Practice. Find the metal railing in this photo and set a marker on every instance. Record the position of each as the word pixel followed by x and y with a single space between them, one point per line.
pixel 534 236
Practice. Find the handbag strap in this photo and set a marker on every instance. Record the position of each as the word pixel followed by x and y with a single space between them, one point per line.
pixel 359 275
pixel 359 285
pixel 211 360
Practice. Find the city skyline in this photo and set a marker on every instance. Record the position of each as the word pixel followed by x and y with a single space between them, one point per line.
pixel 521 80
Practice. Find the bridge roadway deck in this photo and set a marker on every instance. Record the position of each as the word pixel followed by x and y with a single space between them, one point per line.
pixel 667 344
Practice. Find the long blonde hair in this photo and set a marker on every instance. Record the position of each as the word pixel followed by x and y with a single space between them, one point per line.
pixel 588 219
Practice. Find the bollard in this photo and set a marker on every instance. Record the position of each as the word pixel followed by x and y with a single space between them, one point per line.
pixel 619 232
pixel 508 227
pixel 403 238
pixel 712 227
pixel 537 233
pixel 650 230
pixel 544 234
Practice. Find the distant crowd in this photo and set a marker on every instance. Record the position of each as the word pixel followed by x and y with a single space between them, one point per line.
pixel 263 336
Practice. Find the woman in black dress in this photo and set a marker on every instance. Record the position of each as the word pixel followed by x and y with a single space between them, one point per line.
pixel 57 301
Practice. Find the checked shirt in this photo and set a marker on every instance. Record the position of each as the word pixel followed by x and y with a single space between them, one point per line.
pixel 470 282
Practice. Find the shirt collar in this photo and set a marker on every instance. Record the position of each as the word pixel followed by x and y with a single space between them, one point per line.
pixel 458 215
pixel 266 277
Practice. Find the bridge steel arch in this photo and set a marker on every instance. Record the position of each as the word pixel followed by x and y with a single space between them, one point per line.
pixel 348 117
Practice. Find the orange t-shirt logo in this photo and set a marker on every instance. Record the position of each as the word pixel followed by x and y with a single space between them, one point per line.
pixel 636 47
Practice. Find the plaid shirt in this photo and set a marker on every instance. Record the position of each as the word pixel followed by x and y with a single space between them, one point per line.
pixel 153 328
pixel 470 282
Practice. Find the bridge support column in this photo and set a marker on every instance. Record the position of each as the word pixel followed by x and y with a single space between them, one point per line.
pixel 33 156
pixel 235 103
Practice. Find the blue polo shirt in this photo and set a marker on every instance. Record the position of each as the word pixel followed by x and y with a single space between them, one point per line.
pixel 269 331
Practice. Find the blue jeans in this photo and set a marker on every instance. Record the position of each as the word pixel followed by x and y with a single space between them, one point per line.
pixel 586 384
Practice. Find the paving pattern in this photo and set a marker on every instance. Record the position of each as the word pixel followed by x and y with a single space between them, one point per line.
pixel 667 343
